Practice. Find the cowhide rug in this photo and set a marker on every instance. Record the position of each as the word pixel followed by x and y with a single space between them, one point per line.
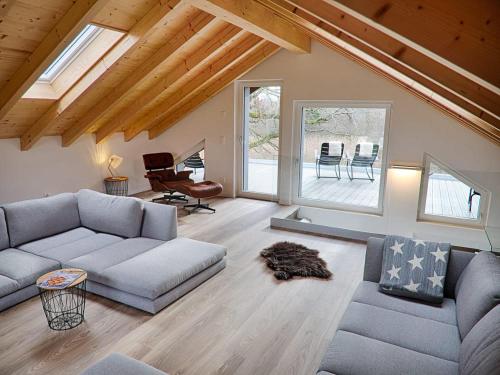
pixel 288 259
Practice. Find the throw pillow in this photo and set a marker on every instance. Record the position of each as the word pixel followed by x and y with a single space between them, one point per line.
pixel 414 268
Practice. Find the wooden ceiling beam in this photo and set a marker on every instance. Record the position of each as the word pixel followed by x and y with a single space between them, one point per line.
pixel 111 101
pixel 200 57
pixel 255 56
pixel 189 89
pixel 253 17
pixel 422 87
pixel 405 55
pixel 97 75
pixel 466 33
pixel 68 27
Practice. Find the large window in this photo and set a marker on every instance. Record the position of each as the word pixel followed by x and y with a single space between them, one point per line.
pixel 449 197
pixel 342 154
pixel 260 139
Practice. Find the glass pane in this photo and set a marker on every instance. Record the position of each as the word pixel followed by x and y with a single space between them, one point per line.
pixel 195 163
pixel 261 139
pixel 447 196
pixel 342 151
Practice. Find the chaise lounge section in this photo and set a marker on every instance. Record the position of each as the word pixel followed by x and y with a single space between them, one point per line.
pixel 389 335
pixel 128 247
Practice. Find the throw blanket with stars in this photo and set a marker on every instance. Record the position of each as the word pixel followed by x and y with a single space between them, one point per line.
pixel 414 268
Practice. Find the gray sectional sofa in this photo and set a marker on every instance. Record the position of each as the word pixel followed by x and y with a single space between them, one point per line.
pixel 389 335
pixel 128 247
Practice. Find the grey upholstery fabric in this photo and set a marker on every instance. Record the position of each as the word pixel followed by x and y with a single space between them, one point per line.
pixel 477 290
pixel 17 296
pixel 120 216
pixel 4 235
pixel 373 259
pixel 40 246
pixel 153 306
pixel 414 268
pixel 24 267
pixel 97 261
pixel 352 354
pixel 368 293
pixel 160 221
pixel 38 218
pixel 7 285
pixel 414 333
pixel 119 364
pixel 458 261
pixel 80 247
pixel 161 269
pixel 480 350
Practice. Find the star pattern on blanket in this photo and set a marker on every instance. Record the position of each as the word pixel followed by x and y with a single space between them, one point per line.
pixel 439 255
pixel 394 272
pixel 416 262
pixel 412 287
pixel 436 280
pixel 419 242
pixel 397 247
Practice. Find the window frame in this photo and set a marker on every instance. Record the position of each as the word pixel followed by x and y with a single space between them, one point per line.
pixel 298 148
pixel 422 216
pixel 70 53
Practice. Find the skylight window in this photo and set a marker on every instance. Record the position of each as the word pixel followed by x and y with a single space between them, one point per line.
pixel 72 51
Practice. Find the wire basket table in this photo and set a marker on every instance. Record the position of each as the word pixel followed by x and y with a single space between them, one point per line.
pixel 63 295
pixel 116 185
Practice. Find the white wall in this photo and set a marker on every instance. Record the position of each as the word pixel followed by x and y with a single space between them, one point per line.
pixel 416 127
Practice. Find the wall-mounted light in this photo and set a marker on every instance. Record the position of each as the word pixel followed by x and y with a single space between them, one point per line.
pixel 405 166
pixel 114 162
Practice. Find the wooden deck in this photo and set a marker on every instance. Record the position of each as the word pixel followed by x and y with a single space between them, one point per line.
pixel 446 197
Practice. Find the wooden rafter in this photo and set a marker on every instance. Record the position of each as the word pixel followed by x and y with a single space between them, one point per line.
pixel 79 15
pixel 253 17
pixel 364 54
pixel 413 63
pixel 465 33
pixel 190 88
pixel 97 75
pixel 199 58
pixel 254 56
pixel 200 22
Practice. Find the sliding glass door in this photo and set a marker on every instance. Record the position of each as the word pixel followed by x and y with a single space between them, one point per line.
pixel 260 140
pixel 341 149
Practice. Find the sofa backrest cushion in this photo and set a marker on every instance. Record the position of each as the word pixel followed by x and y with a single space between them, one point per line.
pixel 37 218
pixel 4 235
pixel 120 216
pixel 480 350
pixel 477 290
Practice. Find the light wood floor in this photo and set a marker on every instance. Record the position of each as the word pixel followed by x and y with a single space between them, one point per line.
pixel 242 321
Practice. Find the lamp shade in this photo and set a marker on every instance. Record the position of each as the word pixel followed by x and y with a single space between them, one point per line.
pixel 115 161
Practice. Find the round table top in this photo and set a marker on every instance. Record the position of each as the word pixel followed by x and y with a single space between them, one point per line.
pixel 82 277
pixel 116 178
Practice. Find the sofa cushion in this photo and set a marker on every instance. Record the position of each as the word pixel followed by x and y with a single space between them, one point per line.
pixel 38 218
pixel 411 332
pixel 80 247
pixel 368 293
pixel 40 246
pixel 121 216
pixel 118 364
pixel 4 235
pixel 7 285
pixel 97 261
pixel 161 269
pixel 480 350
pixel 24 267
pixel 414 268
pixel 350 353
pixel 477 290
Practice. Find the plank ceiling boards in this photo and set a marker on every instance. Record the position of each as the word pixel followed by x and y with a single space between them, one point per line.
pixel 176 54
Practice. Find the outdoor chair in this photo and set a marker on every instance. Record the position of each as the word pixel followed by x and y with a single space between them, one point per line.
pixel 330 155
pixel 472 192
pixel 194 161
pixel 364 156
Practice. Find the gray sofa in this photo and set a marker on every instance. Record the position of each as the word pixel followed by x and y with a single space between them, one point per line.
pixel 119 364
pixel 389 335
pixel 128 247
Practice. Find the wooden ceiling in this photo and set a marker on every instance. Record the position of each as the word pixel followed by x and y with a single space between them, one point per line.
pixel 176 54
